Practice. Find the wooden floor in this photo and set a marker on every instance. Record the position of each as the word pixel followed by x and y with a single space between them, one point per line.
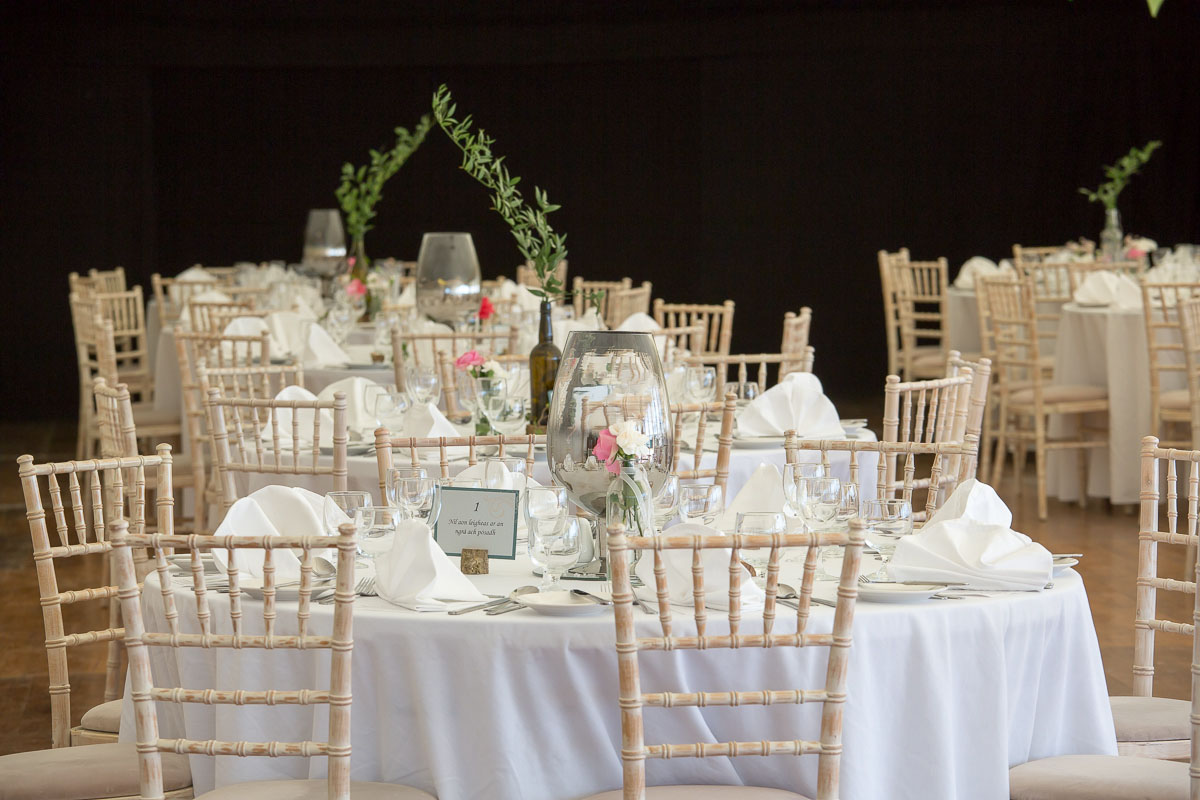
pixel 1107 537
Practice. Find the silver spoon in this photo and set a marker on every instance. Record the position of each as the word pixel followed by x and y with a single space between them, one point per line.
pixel 788 592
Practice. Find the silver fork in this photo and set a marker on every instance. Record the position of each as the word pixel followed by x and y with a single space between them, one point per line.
pixel 364 588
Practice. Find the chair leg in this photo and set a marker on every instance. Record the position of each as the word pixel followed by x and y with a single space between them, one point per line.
pixel 1001 444
pixel 1083 474
pixel 1039 457
pixel 1020 449
pixel 985 440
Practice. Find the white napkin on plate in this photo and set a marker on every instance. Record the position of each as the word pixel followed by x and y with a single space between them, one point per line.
pixel 417 575
pixel 304 418
pixel 526 300
pixel 361 421
pixel 974 268
pixel 590 321
pixel 408 296
pixel 678 564
pixel 195 274
pixel 319 351
pixel 1104 288
pixel 762 492
pixel 274 511
pixel 970 542
pixel 425 421
pixel 796 403
pixel 645 323
pixel 247 326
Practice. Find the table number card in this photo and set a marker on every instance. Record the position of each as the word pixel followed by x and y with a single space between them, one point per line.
pixel 483 519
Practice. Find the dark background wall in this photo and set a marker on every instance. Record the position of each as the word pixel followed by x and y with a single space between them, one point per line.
pixel 758 151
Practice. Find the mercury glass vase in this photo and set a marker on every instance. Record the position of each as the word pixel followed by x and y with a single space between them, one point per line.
pixel 447 277
pixel 606 377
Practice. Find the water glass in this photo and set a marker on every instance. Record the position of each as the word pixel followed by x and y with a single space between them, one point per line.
pixel 819 500
pixel 545 507
pixel 666 502
pixel 887 522
pixel 555 547
pixel 492 394
pixel 390 406
pixel 494 469
pixel 423 383
pixel 357 506
pixel 702 384
pixel 701 502
pixel 416 498
pixel 397 474
pixel 759 522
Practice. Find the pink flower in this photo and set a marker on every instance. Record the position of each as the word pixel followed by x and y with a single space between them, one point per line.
pixel 350 262
pixel 356 288
pixel 606 450
pixel 1133 254
pixel 486 309
pixel 469 359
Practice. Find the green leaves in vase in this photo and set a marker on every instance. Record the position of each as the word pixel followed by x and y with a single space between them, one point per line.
pixel 1118 175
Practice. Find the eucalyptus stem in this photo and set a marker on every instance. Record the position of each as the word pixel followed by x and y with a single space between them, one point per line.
pixel 1119 174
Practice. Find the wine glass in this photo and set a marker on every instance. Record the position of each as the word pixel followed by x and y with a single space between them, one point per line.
pixel 495 468
pixel 702 383
pixel 416 496
pixel 666 502
pixel 759 522
pixel 357 506
pixel 390 407
pixel 492 393
pixel 887 521
pixel 397 474
pixel 701 502
pixel 545 506
pixel 554 546
pixel 818 500
pixel 423 383
pixel 467 394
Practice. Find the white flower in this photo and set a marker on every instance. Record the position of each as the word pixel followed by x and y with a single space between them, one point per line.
pixel 493 366
pixel 630 438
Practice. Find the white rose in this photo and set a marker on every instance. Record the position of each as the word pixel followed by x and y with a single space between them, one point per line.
pixel 633 442
pixel 493 366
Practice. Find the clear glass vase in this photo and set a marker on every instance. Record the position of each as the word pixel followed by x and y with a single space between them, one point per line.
pixel 1112 238
pixel 447 277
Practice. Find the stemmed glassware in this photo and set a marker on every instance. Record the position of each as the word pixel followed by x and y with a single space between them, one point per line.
pixel 702 384
pixel 816 502
pixel 701 502
pixel 666 502
pixel 554 545
pixel 423 383
pixel 390 406
pixel 416 498
pixel 492 394
pixel 887 522
pixel 357 506
pixel 495 467
pixel 759 522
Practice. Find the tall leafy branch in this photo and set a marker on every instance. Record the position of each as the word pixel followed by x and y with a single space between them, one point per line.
pixel 1118 175
pixel 530 225
pixel 362 188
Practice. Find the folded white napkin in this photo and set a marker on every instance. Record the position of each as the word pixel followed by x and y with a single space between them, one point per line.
pixel 796 403
pixel 1104 288
pixel 526 300
pixel 762 492
pixel 195 274
pixel 257 276
pixel 977 268
pixel 247 326
pixel 678 564
pixel 645 323
pixel 425 421
pixel 207 296
pixel 304 419
pixel 590 321
pixel 361 421
pixel 275 511
pixel 976 548
pixel 318 351
pixel 417 575
pixel 426 353
pixel 408 295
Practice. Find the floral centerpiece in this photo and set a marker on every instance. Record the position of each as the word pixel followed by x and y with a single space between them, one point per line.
pixel 621 448
pixel 487 376
pixel 1118 174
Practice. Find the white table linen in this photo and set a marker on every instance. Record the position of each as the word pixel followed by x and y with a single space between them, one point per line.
pixel 943 697
pixel 1105 347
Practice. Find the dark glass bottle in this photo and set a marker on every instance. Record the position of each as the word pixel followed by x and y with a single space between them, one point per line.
pixel 543 369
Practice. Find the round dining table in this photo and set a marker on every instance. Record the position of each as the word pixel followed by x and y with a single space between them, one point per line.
pixel 943 695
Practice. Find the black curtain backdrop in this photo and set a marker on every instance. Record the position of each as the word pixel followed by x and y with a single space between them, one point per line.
pixel 756 151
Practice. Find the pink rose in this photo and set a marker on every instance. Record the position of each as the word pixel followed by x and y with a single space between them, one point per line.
pixel 606 449
pixel 469 359
pixel 1133 254
pixel 356 288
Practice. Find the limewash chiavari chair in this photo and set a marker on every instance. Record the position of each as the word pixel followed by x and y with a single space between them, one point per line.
pixel 127 313
pixel 912 454
pixel 1189 321
pixel 1033 254
pixel 716 319
pixel 211 316
pixel 84 321
pixel 108 280
pixel 796 329
pixel 527 275
pixel 1153 728
pixel 1015 323
pixel 1161 307
pixel 387 446
pixel 920 295
pixel 888 262
pixel 97 490
pixel 684 411
pixel 172 294
pixel 277 635
pixel 742 362
pixel 451 377
pixel 680 639
pixel 977 402
pixel 216 352
pixel 421 348
pixel 82 285
pixel 927 411
pixel 152 424
pixel 623 303
pixel 688 338
pixel 1078 271
pixel 248 438
pixel 581 288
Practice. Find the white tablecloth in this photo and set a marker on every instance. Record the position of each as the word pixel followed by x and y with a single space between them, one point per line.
pixel 962 320
pixel 943 698
pixel 1106 347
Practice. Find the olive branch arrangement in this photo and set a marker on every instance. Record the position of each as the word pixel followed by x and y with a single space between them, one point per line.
pixel 536 240
pixel 361 189
pixel 1118 175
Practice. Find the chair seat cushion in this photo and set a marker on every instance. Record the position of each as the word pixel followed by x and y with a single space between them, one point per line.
pixel 933 357
pixel 1175 399
pixel 312 790
pixel 145 415
pixel 1059 394
pixel 105 717
pixel 1151 719
pixel 1099 778
pixel 83 773
pixel 704 793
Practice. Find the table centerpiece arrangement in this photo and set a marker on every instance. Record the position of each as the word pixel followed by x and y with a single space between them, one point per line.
pixel 1112 247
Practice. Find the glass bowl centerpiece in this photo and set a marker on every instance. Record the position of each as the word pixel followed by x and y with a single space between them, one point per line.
pixel 447 277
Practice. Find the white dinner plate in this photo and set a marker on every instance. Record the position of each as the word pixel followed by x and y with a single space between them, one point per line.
pixel 562 604
pixel 755 442
pixel 1061 565
pixel 898 592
